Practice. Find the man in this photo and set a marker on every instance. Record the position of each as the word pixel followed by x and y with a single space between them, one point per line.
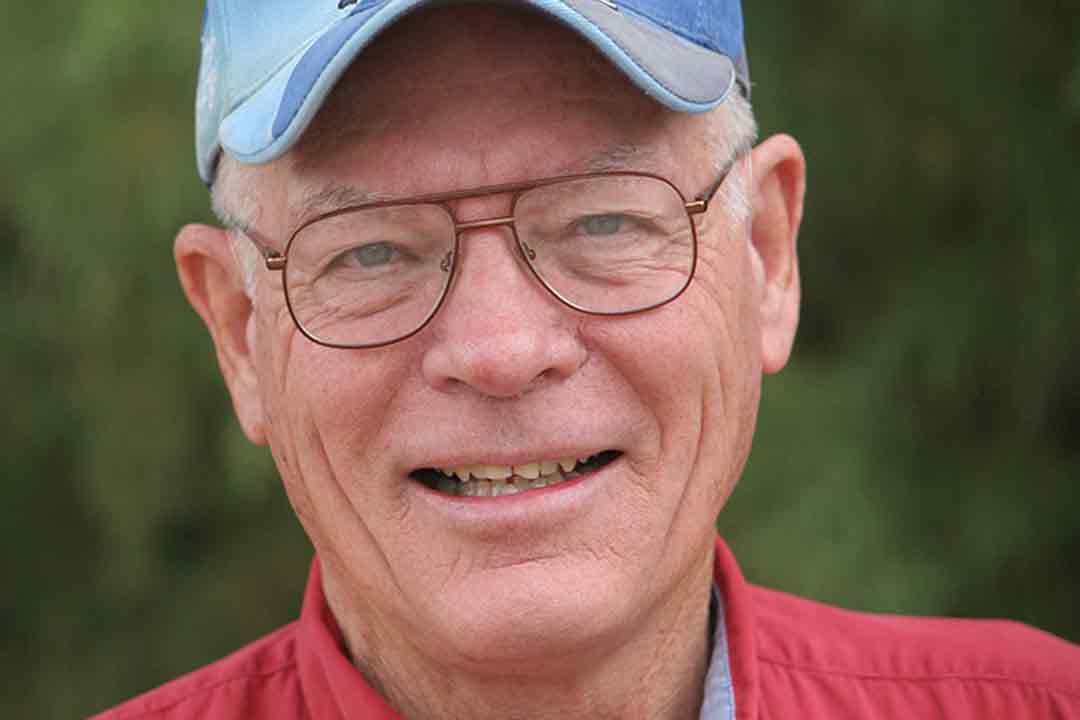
pixel 497 287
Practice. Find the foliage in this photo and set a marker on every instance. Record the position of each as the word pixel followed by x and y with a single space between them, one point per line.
pixel 919 455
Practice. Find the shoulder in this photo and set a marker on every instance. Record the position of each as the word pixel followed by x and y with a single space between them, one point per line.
pixel 259 680
pixel 941 667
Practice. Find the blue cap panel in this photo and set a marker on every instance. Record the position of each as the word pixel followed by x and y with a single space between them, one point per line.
pixel 248 131
pixel 270 122
pixel 312 64
pixel 210 95
pixel 683 75
pixel 715 25
pixel 263 35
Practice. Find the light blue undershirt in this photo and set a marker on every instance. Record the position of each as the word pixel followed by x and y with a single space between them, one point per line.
pixel 719 699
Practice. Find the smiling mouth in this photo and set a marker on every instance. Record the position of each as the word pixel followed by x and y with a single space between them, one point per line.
pixel 500 480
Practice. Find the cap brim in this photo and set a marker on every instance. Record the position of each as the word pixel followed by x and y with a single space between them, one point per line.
pixel 676 72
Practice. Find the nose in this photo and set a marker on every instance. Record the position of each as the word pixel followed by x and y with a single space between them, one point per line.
pixel 499 333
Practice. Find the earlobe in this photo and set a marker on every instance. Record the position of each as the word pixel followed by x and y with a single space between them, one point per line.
pixel 779 183
pixel 215 288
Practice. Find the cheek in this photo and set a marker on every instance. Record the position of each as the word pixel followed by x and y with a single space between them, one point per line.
pixel 729 297
pixel 695 365
pixel 326 415
pixel 726 298
pixel 336 400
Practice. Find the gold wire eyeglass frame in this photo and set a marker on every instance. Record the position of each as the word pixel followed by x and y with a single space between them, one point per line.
pixel 278 261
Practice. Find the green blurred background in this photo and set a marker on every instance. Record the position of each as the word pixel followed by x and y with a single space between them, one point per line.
pixel 920 455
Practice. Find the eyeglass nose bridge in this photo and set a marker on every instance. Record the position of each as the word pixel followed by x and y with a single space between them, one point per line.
pixel 504 220
pixel 449 263
pixel 460 227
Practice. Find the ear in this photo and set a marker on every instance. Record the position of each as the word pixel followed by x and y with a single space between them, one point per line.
pixel 778 186
pixel 214 286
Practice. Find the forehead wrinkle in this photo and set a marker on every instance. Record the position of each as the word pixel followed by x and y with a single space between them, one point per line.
pixel 336 127
pixel 332 129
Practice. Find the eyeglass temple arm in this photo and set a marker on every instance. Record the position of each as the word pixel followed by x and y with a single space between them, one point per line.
pixel 701 204
pixel 274 259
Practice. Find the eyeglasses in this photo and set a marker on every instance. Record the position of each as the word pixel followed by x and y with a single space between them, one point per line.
pixel 609 243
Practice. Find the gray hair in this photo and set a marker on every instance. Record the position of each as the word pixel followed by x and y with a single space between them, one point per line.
pixel 730 133
pixel 234 200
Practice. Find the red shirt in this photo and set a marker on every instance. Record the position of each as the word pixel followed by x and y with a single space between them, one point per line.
pixel 790 658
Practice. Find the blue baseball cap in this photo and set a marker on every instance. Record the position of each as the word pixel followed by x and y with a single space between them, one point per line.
pixel 268 65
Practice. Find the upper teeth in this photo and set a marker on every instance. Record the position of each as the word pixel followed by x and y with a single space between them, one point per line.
pixel 530 471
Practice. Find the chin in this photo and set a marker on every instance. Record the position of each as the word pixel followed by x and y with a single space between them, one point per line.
pixel 518 621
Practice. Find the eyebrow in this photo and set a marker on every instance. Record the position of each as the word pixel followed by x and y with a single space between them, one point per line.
pixel 332 196
pixel 625 156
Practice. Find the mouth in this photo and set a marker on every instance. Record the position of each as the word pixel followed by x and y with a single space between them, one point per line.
pixel 500 480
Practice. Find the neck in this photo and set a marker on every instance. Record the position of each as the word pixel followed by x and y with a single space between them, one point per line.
pixel 658 673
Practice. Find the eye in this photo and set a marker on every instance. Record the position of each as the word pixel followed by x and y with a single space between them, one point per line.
pixel 602 224
pixel 372 255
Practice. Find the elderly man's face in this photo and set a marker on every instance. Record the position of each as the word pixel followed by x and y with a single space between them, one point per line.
pixel 505 375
